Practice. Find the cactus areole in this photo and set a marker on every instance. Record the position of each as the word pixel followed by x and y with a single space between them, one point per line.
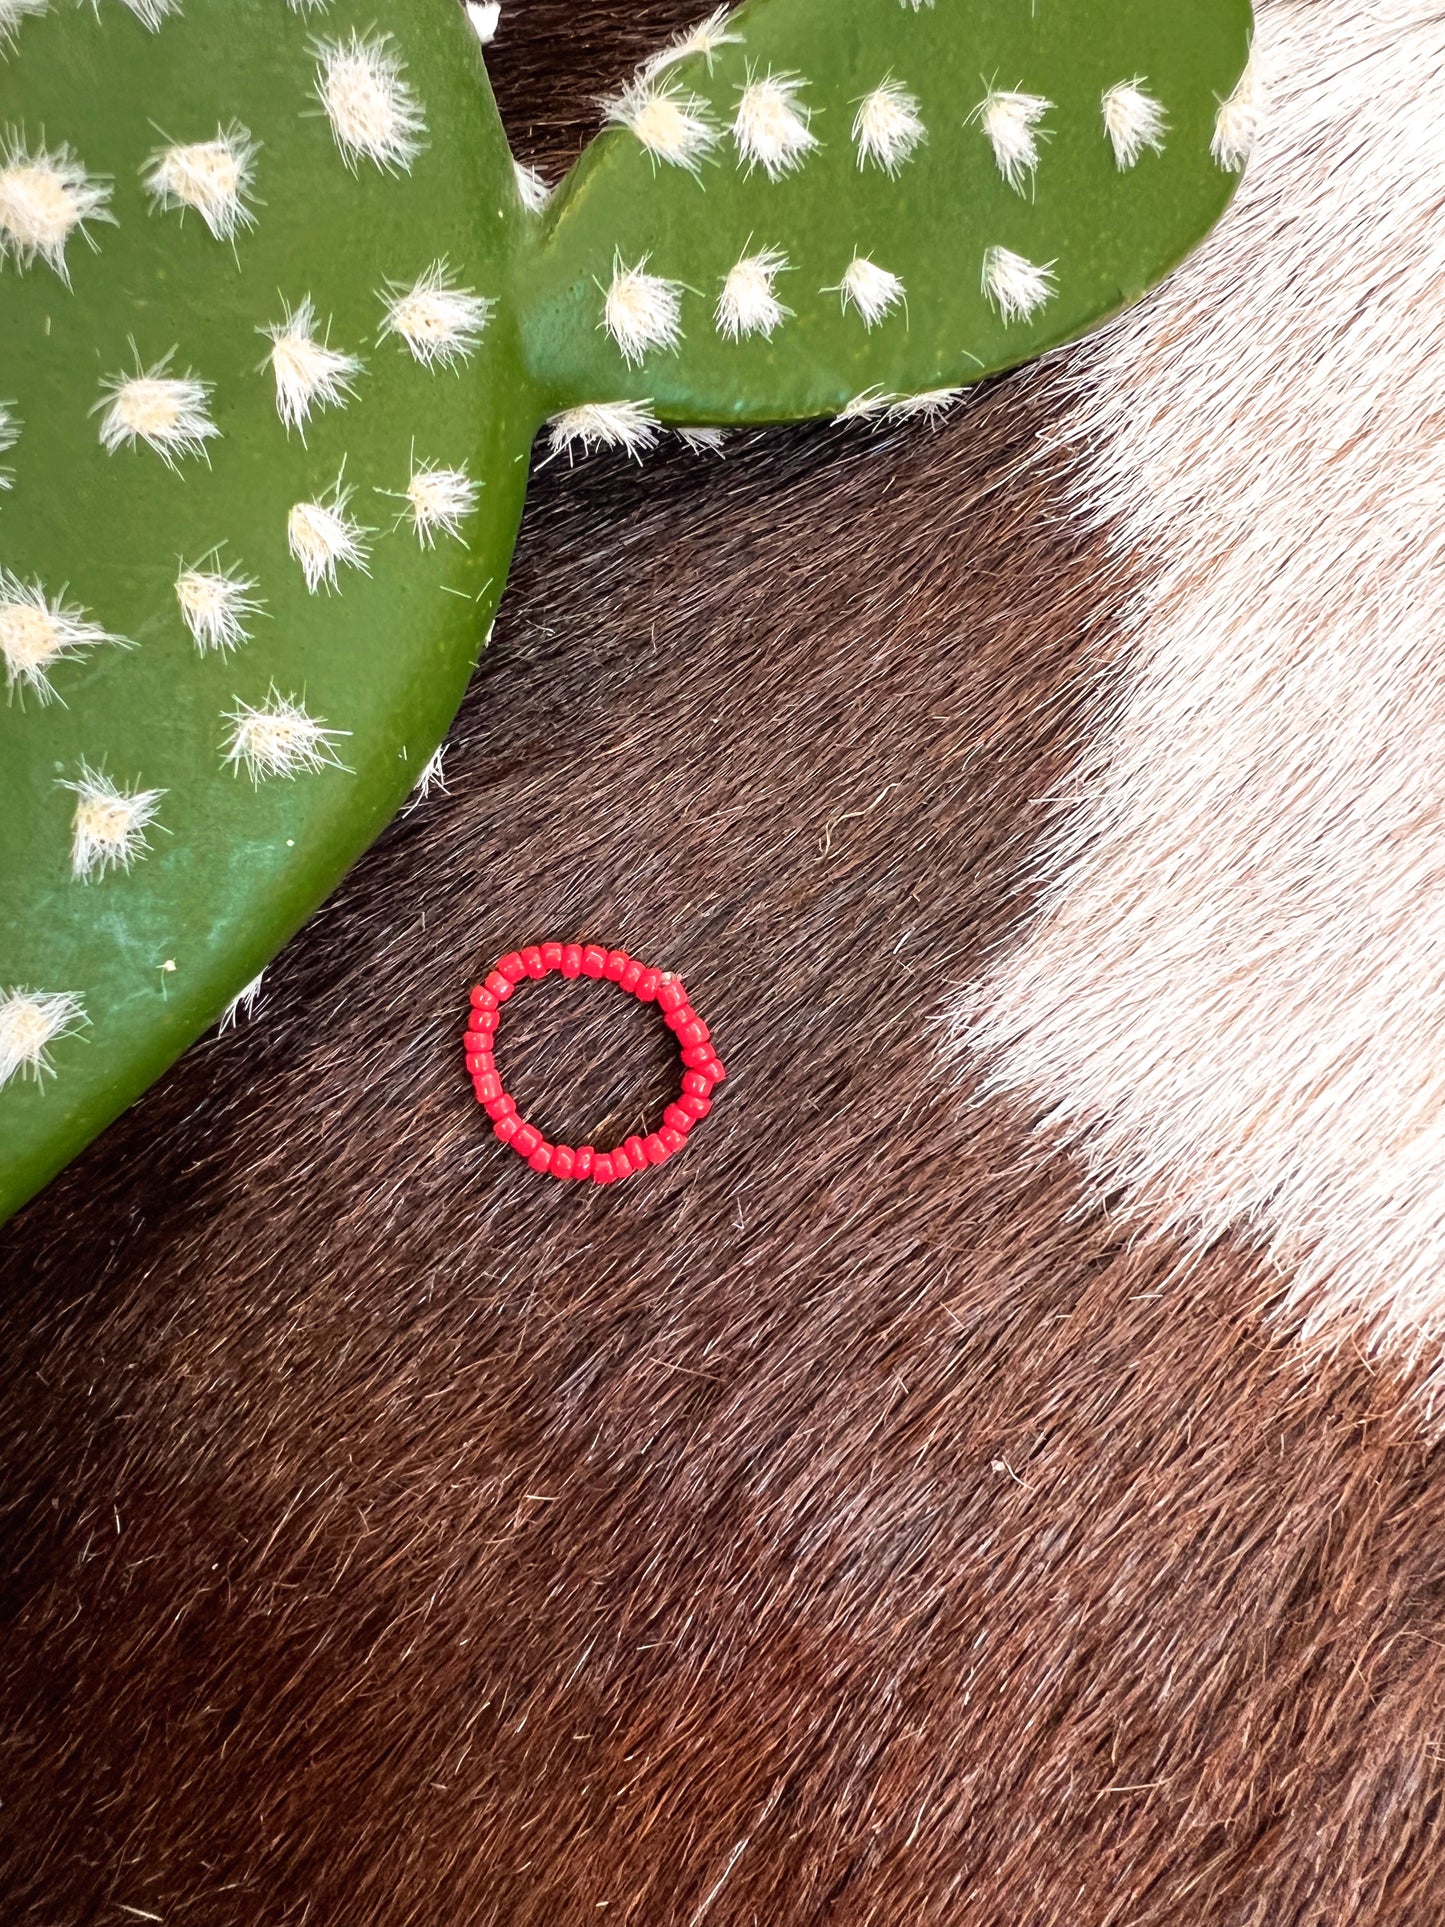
pixel 280 321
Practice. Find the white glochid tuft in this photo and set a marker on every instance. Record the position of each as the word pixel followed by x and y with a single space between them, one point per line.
pixel 871 405
pixel 668 121
pixel 642 311
pixel 108 830
pixel 628 425
pixel 440 323
pixel 38 631
pixel 702 40
pixel 704 441
pixel 309 373
pixel 278 738
pixel 872 290
pixel 439 501
pixel 748 304
pixel 12 12
pixel 9 435
pixel 929 405
pixel 150 13
pixel 433 777
pixel 45 197
pixel 324 538
pixel 1133 121
pixel 771 128
pixel 887 129
pixel 486 17
pixel 30 1022
pixel 217 606
pixel 374 114
pixel 243 1004
pixel 1017 287
pixel 169 413
pixel 1010 120
pixel 214 177
pixel 532 191
pixel 1236 125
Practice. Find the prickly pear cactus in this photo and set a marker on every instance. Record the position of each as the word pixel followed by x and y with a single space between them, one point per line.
pixel 279 322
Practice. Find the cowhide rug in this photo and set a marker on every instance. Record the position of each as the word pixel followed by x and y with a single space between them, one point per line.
pixel 993 1479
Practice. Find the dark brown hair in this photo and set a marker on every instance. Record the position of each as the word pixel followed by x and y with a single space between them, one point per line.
pixel 842 1525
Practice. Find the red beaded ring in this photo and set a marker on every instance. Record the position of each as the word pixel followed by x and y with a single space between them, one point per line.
pixel 701 1068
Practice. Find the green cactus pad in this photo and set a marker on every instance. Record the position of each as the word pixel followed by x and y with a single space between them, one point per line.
pixel 276 335
pixel 1025 172
pixel 153 952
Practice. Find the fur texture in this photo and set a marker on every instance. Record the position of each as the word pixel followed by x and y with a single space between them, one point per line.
pixel 1229 998
pixel 853 1523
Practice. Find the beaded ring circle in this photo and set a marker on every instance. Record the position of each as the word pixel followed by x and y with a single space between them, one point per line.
pixel 701 1068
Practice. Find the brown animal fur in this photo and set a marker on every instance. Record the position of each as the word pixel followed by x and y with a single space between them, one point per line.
pixel 843 1525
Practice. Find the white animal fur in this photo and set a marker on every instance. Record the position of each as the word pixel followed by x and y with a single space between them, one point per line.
pixel 1230 1000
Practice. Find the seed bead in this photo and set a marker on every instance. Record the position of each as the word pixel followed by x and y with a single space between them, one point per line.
pixel 702 1068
